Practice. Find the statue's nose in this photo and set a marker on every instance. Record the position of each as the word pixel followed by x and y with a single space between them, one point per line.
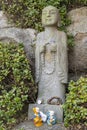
pixel 48 14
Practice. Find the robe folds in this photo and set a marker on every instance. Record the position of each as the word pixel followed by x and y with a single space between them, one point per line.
pixel 51 66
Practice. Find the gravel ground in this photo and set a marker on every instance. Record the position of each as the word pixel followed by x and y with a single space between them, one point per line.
pixel 28 125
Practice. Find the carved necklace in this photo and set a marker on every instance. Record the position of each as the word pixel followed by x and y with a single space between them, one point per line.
pixel 48 68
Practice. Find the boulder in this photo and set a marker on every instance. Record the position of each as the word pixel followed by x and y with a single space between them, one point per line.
pixel 78 21
pixel 9 33
pixel 18 35
pixel 3 21
pixel 78 53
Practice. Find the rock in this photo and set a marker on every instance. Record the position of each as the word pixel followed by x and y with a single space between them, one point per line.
pixel 78 21
pixel 78 53
pixel 3 21
pixel 17 35
pixel 9 33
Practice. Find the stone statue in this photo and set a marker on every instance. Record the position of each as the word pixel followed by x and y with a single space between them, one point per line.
pixel 51 57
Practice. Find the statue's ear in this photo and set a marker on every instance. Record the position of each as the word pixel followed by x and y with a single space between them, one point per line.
pixel 59 20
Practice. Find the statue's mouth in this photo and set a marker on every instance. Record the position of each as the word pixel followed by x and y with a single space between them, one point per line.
pixel 48 19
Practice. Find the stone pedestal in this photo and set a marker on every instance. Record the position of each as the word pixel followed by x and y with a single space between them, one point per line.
pixel 44 108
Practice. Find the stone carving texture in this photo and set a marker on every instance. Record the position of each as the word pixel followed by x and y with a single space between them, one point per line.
pixel 78 28
pixel 51 57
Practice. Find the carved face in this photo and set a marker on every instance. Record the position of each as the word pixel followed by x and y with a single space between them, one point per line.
pixel 36 110
pixel 50 16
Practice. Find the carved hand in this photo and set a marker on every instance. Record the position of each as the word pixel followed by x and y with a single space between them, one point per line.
pixel 62 77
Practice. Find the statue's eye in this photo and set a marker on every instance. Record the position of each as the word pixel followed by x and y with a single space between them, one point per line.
pixel 49 12
pixel 52 12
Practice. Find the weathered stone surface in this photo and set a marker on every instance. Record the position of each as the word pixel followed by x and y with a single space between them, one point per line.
pixel 46 107
pixel 78 53
pixel 28 125
pixel 9 33
pixel 17 35
pixel 79 21
pixel 3 21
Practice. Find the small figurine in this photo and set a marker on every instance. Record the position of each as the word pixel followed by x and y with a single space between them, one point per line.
pixel 37 117
pixel 43 116
pixel 51 118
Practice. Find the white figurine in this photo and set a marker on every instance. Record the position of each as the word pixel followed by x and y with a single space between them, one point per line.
pixel 51 118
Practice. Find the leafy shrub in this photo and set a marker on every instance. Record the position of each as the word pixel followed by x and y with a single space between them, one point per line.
pixel 27 13
pixel 16 82
pixel 70 40
pixel 75 107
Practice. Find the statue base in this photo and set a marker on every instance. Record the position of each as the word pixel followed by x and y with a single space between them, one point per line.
pixel 46 107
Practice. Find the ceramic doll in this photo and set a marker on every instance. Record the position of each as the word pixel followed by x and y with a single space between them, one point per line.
pixel 37 117
pixel 51 118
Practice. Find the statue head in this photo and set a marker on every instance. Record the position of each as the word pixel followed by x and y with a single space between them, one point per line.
pixel 50 16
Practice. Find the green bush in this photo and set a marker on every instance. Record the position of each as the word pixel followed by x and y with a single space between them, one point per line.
pixel 27 13
pixel 75 107
pixel 16 82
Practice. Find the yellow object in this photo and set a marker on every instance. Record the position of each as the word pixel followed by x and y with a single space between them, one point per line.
pixel 37 119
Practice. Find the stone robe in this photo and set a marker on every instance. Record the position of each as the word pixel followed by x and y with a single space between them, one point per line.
pixel 51 66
